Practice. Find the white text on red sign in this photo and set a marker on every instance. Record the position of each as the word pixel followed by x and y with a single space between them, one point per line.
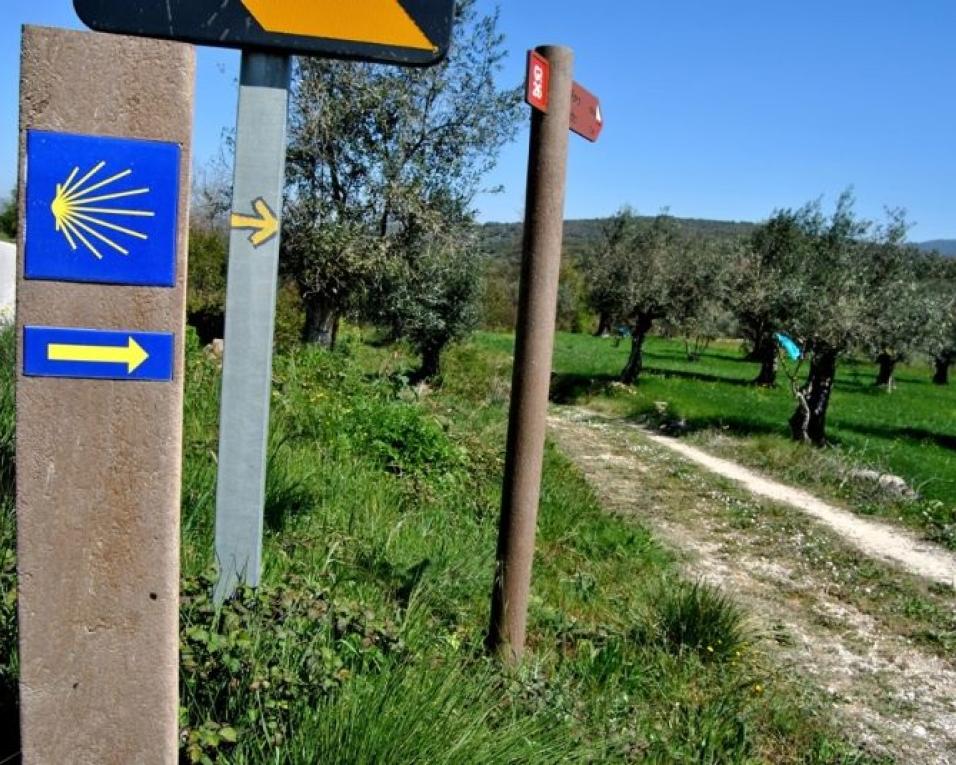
pixel 539 76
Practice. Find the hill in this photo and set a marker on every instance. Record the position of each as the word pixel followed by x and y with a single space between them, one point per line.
pixel 943 246
pixel 505 238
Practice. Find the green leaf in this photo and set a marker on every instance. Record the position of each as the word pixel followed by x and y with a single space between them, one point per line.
pixel 228 734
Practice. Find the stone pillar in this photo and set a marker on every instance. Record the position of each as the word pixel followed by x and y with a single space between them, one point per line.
pixel 99 460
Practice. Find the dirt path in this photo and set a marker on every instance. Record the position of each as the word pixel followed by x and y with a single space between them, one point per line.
pixel 794 573
pixel 878 540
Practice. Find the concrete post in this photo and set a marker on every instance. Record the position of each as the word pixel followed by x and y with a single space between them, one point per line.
pixel 99 460
pixel 534 344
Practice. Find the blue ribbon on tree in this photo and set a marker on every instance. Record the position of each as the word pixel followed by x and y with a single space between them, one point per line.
pixel 792 349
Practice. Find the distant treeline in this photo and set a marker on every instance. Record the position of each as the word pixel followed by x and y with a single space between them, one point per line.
pixel 581 234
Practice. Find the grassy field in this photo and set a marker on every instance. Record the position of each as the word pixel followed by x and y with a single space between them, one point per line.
pixel 910 432
pixel 364 644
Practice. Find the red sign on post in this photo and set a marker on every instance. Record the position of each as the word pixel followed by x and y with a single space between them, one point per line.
pixel 539 79
pixel 586 117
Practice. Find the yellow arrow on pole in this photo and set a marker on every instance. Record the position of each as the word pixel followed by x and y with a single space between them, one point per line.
pixel 264 224
pixel 378 22
pixel 131 354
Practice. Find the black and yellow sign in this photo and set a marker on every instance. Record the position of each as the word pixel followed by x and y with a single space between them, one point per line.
pixel 410 32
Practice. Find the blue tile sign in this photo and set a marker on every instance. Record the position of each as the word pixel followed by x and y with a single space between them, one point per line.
pixel 97 354
pixel 101 209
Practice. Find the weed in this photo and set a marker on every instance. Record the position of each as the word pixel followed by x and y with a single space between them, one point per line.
pixel 247 666
pixel 695 617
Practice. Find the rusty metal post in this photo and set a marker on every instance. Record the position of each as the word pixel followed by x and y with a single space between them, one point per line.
pixel 534 345
pixel 105 132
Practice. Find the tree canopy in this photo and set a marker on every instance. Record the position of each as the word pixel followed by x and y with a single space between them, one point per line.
pixel 643 274
pixel 374 150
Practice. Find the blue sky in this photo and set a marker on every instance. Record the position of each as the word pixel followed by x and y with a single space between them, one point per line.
pixel 720 110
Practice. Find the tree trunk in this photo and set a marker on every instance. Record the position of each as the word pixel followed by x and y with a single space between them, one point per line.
pixel 336 322
pixel 941 366
pixel 760 341
pixel 635 362
pixel 431 365
pixel 604 325
pixel 887 364
pixel 767 356
pixel 809 421
pixel 321 322
pixel 763 341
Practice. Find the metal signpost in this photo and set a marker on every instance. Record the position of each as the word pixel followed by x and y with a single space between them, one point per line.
pixel 586 118
pixel 408 32
pixel 557 106
pixel 104 182
pixel 405 32
pixel 250 318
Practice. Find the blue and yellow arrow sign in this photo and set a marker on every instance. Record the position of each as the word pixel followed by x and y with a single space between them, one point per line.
pixel 97 354
pixel 101 209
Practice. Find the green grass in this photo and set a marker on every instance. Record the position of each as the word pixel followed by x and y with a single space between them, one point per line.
pixel 910 432
pixel 364 643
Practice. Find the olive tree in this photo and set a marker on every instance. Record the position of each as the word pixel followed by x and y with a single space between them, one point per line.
pixel 765 283
pixel 943 345
pixel 371 145
pixel 841 278
pixel 898 302
pixel 604 264
pixel 652 273
pixel 429 293
pixel 940 334
pixel 698 288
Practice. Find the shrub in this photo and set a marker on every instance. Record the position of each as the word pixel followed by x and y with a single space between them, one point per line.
pixel 9 214
pixel 324 401
pixel 265 652
pixel 403 438
pixel 206 299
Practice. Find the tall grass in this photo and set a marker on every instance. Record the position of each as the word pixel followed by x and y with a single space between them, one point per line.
pixel 384 505
pixel 9 665
pixel 7 412
pixel 427 715
pixel 364 643
pixel 695 617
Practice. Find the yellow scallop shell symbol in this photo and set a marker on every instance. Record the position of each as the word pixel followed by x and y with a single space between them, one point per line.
pixel 85 210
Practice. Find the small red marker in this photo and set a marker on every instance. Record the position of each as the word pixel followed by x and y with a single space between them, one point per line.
pixel 538 82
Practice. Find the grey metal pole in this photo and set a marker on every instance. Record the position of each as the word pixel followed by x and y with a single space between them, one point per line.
pixel 250 318
pixel 534 344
